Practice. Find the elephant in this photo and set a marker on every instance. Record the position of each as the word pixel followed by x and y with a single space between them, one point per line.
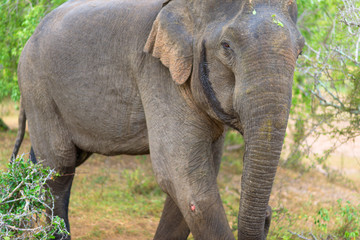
pixel 166 78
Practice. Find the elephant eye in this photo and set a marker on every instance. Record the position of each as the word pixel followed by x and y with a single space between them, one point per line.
pixel 300 53
pixel 225 45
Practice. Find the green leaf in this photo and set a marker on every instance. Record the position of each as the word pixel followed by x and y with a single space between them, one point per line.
pixel 276 21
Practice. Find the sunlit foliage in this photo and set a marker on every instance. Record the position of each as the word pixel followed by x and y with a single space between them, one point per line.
pixel 326 93
pixel 18 21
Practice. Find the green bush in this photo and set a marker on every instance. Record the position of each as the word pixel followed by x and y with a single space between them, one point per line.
pixel 26 204
pixel 345 217
pixel 326 88
pixel 340 221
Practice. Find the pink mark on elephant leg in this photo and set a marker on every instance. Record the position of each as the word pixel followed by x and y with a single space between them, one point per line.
pixel 192 207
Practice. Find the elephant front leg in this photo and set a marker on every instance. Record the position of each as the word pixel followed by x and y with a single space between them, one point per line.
pixel 172 224
pixel 187 173
pixel 203 213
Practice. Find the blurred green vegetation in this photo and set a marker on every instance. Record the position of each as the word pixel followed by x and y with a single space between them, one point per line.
pixel 18 21
pixel 340 221
pixel 326 92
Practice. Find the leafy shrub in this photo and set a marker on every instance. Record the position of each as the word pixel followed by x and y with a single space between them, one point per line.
pixel 346 219
pixel 326 86
pixel 26 204
pixel 341 221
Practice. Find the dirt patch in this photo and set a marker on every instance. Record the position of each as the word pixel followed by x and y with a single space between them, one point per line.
pixel 292 188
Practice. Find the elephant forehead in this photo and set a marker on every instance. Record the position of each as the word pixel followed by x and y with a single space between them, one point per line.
pixel 265 20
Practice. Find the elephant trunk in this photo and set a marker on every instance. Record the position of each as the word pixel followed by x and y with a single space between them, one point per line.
pixel 261 158
pixel 264 111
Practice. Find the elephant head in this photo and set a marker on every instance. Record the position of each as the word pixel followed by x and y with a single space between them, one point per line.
pixel 237 58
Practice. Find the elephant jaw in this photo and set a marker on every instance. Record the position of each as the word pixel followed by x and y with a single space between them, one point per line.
pixel 231 120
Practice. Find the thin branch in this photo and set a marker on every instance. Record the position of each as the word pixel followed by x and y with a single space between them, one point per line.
pixel 298 235
pixel 23 229
pixel 313 236
pixel 10 195
pixel 14 200
pixel 345 55
pixel 357 49
pixel 331 94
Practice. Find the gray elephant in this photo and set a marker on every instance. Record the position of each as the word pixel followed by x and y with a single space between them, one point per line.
pixel 165 77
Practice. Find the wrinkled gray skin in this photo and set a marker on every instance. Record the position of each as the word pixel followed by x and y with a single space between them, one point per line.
pixel 128 77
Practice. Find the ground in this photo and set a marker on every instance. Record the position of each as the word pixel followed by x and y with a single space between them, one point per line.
pixel 118 198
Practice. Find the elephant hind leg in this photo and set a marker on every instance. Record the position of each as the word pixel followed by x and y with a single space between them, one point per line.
pixel 60 188
pixel 53 147
pixel 32 156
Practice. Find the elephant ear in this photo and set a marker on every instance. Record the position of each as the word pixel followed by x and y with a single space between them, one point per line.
pixel 171 40
pixel 292 7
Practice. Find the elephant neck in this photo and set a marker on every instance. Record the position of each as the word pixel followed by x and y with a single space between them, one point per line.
pixel 206 119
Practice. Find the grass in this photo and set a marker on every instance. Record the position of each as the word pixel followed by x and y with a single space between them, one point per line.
pixel 118 198
pixel 124 199
pixel 339 221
